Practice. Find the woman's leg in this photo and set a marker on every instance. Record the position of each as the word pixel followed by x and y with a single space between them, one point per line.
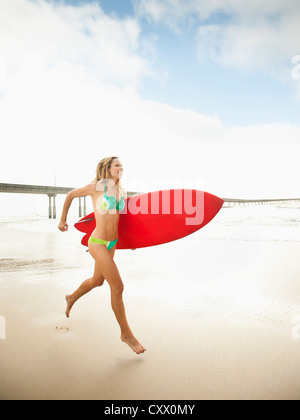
pixel 110 271
pixel 96 281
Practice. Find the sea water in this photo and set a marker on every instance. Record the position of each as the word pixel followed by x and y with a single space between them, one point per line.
pixel 272 222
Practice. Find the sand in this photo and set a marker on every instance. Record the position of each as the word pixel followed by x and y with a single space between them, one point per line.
pixel 215 316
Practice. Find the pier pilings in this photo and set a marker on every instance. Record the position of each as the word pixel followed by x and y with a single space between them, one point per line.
pixel 51 192
pixel 52 207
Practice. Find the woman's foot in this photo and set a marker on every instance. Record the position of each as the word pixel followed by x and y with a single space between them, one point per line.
pixel 70 303
pixel 132 342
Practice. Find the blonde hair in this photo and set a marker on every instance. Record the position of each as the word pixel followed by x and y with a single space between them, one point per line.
pixel 103 167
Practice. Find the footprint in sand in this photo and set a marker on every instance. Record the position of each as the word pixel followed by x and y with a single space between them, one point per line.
pixel 62 330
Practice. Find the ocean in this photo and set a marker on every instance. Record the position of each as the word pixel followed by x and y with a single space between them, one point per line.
pixel 272 222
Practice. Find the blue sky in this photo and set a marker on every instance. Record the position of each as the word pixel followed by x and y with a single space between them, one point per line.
pixel 121 8
pixel 238 96
pixel 189 93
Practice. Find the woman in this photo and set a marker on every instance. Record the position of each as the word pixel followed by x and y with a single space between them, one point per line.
pixel 107 202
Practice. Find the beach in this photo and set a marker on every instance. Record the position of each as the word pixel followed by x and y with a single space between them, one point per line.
pixel 218 311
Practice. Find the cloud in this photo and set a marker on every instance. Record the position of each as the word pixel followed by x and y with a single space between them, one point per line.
pixel 254 35
pixel 58 68
pixel 36 35
pixel 175 12
pixel 67 102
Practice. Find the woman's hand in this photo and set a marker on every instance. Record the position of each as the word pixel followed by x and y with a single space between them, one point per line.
pixel 63 226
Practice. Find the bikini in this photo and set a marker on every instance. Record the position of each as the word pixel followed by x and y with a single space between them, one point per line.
pixel 108 203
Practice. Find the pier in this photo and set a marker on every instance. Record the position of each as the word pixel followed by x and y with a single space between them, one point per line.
pixel 230 202
pixel 52 192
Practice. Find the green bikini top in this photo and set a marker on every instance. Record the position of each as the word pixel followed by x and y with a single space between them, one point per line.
pixel 110 202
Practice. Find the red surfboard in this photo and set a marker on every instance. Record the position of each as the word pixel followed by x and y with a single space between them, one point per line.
pixel 159 217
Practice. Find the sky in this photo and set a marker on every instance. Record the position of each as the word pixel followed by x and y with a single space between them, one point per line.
pixel 188 93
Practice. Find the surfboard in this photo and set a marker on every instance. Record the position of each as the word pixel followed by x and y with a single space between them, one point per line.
pixel 159 217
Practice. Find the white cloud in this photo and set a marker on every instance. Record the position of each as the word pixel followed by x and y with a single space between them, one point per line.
pixel 54 62
pixel 160 146
pixel 35 35
pixel 59 112
pixel 175 12
pixel 252 35
pixel 260 46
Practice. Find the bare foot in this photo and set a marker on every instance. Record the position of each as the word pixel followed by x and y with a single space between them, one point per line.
pixel 133 344
pixel 70 303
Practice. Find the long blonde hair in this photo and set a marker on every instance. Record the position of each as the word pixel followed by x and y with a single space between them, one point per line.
pixel 103 167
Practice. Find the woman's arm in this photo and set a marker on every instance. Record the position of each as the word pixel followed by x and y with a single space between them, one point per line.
pixel 79 192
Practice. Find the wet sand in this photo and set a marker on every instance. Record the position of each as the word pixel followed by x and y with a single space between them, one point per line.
pixel 216 318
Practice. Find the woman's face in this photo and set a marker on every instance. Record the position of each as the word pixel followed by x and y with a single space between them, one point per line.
pixel 116 169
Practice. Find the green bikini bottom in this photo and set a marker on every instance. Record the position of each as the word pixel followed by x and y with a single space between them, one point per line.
pixel 108 244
